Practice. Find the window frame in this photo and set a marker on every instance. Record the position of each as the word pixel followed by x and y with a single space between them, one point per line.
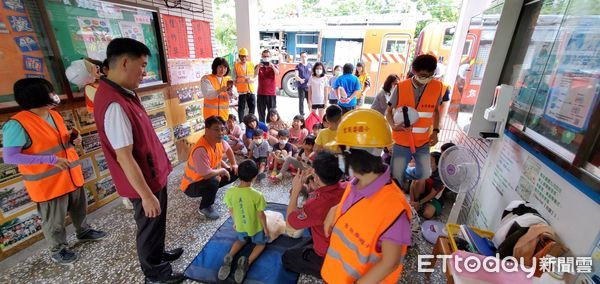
pixel 396 40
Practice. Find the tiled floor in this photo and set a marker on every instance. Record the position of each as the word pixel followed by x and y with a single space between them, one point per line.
pixel 114 260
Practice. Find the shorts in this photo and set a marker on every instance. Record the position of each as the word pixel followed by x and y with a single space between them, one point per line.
pixel 318 106
pixel 333 101
pixel 437 204
pixel 260 160
pixel 259 238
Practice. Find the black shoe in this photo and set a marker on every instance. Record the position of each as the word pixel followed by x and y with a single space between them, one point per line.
pixel 172 255
pixel 174 278
pixel 92 235
pixel 64 256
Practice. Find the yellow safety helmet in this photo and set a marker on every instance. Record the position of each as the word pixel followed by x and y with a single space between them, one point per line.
pixel 243 52
pixel 364 128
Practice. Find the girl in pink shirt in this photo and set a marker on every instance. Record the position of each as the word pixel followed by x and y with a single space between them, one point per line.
pixel 298 132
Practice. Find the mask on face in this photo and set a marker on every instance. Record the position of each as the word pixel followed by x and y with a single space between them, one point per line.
pixel 54 101
pixel 338 73
pixel 319 72
pixel 422 80
pixel 283 141
pixel 258 141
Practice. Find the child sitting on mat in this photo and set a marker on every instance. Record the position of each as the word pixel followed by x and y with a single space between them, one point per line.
pixel 300 161
pixel 246 206
pixel 281 151
pixel 258 151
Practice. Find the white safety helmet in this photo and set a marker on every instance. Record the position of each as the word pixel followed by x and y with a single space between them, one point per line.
pixel 413 115
pixel 78 74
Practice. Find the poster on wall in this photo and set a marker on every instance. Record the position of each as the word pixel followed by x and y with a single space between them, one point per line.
pixel 153 101
pixel 164 136
pixel 159 120
pixel 570 103
pixel 182 71
pixel 20 24
pixel 19 229
pixel 105 187
pixel 14 5
pixel 186 95
pixel 67 116
pixel 96 34
pixel 518 172
pixel 88 169
pixel 132 30
pixel 89 195
pixel 27 43
pixel 101 163
pixel 171 151
pixel 86 119
pixel 90 142
pixel 8 171
pixel 14 198
pixel 202 39
pixel 192 111
pixel 176 37
pixel 181 131
pixel 197 124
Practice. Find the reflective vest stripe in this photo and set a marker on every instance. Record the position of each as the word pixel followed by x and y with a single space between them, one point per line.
pixel 213 106
pixel 336 255
pixel 55 150
pixel 420 129
pixel 362 258
pixel 49 173
pixel 188 178
pixel 425 114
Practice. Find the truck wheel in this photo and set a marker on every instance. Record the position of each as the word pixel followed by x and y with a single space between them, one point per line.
pixel 288 84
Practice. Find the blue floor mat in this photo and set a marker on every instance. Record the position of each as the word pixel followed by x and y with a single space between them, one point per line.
pixel 268 268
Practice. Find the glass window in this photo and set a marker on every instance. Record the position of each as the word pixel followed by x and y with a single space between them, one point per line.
pixel 467 48
pixel 482 30
pixel 84 29
pixel 395 46
pixel 556 73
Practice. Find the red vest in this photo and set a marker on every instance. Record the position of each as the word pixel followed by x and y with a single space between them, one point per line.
pixel 148 152
pixel 266 81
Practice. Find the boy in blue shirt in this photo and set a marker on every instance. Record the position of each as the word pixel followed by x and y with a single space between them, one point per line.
pixel 246 206
pixel 347 88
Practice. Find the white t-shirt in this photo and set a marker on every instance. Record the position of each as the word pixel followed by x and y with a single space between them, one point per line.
pixel 317 86
pixel 117 127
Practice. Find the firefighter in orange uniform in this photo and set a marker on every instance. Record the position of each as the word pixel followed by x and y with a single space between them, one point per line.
pixel 370 227
pixel 37 140
pixel 218 90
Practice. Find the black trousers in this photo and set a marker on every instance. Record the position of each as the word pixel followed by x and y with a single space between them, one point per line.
pixel 207 189
pixel 302 95
pixel 150 238
pixel 265 103
pixel 248 99
pixel 302 258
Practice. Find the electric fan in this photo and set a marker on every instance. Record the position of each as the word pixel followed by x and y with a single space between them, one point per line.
pixel 459 171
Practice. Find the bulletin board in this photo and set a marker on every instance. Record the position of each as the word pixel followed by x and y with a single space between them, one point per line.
pixel 20 52
pixel 84 29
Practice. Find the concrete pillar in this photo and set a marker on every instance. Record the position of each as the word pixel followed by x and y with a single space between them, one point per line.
pixel 246 23
pixel 469 9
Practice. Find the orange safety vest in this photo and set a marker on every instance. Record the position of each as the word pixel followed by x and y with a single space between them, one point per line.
pixel 42 181
pixel 191 173
pixel 362 79
pixel 426 108
pixel 89 93
pixel 353 245
pixel 249 72
pixel 219 105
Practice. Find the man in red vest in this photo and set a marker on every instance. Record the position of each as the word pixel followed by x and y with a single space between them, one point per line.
pixel 423 93
pixel 267 96
pixel 136 159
